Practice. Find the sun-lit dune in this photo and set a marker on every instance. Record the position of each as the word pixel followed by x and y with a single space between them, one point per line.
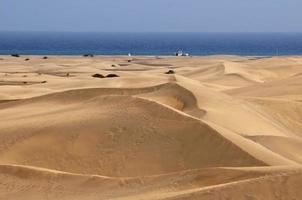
pixel 221 127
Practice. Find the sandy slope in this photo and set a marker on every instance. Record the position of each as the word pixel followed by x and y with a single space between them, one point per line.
pixel 222 127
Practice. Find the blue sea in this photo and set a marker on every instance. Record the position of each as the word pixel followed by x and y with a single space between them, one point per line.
pixel 70 43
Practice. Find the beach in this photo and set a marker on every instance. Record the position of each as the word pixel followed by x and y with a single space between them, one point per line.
pixel 150 127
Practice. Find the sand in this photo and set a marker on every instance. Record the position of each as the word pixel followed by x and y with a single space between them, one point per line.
pixel 220 128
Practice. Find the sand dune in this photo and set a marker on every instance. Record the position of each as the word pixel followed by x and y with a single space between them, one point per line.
pixel 222 127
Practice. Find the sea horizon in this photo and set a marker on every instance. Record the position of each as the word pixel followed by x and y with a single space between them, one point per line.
pixel 150 43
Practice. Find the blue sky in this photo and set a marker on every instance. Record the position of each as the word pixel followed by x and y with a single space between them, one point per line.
pixel 152 15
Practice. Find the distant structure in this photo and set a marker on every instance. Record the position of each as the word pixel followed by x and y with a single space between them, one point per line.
pixel 129 57
pixel 181 53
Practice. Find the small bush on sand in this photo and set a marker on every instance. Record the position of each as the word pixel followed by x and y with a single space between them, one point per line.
pixel 112 76
pixel 98 76
pixel 88 55
pixel 170 72
pixel 15 55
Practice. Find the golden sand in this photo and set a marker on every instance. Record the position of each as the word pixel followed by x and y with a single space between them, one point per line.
pixel 220 128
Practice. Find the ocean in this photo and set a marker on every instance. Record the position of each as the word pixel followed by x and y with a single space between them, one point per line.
pixel 71 43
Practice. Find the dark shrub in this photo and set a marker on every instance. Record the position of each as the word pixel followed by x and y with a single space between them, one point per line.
pixel 98 76
pixel 170 72
pixel 27 59
pixel 45 57
pixel 88 55
pixel 15 55
pixel 112 76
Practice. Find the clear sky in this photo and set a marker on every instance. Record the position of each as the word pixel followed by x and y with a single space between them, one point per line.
pixel 152 15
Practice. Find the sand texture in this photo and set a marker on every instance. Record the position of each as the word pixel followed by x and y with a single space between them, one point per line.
pixel 219 128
